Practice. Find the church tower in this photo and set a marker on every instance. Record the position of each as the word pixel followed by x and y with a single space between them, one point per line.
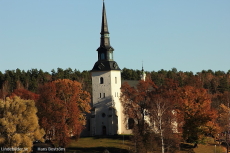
pixel 143 74
pixel 106 115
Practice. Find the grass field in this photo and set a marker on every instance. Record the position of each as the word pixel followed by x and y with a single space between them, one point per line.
pixel 209 149
pixel 98 145
pixel 118 145
pixel 209 146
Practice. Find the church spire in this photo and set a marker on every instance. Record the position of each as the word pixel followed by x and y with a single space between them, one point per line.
pixel 104 25
pixel 105 51
pixel 105 42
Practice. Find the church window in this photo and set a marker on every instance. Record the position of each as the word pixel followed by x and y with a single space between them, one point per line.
pixel 100 95
pixel 103 115
pixel 102 56
pixel 101 80
pixel 115 80
pixel 130 123
pixel 104 95
pixel 111 56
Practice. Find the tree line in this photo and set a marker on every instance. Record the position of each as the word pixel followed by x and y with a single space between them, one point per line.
pixel 32 79
pixel 216 82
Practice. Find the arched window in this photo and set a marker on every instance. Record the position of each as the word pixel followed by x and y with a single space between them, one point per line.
pixel 101 80
pixel 111 56
pixel 115 80
pixel 130 123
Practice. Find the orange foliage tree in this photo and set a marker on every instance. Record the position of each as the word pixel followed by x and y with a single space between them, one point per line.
pixel 223 118
pixel 61 109
pixel 195 109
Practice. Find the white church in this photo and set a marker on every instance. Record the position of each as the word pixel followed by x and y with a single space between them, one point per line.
pixel 106 116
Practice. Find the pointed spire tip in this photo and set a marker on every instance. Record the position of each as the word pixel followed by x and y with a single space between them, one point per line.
pixel 142 66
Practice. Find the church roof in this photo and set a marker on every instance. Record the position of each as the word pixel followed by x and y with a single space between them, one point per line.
pixel 105 66
pixel 132 83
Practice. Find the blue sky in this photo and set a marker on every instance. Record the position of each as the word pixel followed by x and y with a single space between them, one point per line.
pixel 190 35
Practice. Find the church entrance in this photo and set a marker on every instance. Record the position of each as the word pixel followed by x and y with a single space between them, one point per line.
pixel 104 130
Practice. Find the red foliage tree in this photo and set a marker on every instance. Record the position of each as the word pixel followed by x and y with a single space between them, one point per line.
pixel 61 108
pixel 152 108
pixel 25 94
pixel 163 114
pixel 135 102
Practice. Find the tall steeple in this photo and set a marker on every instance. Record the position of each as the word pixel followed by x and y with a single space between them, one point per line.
pixel 105 51
pixel 104 29
pixel 107 118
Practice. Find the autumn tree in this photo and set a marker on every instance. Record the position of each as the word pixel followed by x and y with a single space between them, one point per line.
pixel 195 109
pixel 135 102
pixel 154 112
pixel 223 119
pixel 163 114
pixel 19 123
pixel 62 106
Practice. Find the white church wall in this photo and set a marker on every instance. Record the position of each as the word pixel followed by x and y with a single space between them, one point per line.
pixel 105 97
